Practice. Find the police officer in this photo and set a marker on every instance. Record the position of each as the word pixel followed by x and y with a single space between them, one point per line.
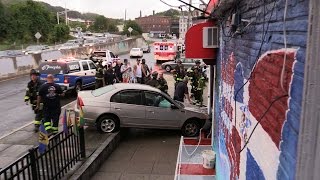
pixel 99 75
pixel 179 72
pixel 153 81
pixel 31 97
pixel 163 85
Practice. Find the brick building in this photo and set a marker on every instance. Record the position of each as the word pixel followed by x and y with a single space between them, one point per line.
pixel 154 23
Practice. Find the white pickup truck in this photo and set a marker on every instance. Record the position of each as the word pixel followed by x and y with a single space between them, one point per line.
pixel 105 55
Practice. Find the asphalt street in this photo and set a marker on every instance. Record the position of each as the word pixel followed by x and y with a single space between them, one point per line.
pixel 15 113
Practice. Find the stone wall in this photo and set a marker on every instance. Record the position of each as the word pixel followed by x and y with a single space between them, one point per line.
pixel 249 97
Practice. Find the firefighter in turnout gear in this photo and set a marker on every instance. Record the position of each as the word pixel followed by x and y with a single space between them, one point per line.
pixel 99 75
pixel 178 72
pixel 197 83
pixel 31 97
pixel 153 81
pixel 163 83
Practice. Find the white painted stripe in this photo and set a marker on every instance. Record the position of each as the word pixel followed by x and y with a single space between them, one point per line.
pixel 18 129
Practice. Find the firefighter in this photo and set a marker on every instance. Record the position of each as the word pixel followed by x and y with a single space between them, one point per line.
pixel 197 83
pixel 153 81
pixel 31 97
pixel 99 75
pixel 179 72
pixel 163 85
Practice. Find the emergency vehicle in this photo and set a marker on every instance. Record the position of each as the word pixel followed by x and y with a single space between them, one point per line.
pixel 164 51
pixel 70 74
pixel 106 56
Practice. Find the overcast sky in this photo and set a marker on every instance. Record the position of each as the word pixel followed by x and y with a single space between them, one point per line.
pixel 116 8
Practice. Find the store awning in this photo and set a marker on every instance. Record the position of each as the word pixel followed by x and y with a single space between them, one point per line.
pixel 194 43
pixel 211 5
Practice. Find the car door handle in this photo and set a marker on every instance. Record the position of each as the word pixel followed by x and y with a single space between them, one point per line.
pixel 151 112
pixel 85 73
pixel 116 108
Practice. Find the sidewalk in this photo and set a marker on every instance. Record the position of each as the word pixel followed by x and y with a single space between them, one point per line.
pixel 144 154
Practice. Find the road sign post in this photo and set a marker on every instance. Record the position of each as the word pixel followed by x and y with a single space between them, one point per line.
pixel 37 36
pixel 130 30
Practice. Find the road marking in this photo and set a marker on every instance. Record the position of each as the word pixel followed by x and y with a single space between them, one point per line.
pixel 18 129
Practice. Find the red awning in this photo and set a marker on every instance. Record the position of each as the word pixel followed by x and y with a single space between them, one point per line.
pixel 194 43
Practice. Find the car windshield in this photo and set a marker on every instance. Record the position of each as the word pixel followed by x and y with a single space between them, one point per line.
pixel 136 49
pixel 103 90
pixel 99 54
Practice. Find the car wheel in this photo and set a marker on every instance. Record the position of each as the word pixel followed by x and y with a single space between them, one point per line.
pixel 108 124
pixel 168 68
pixel 190 128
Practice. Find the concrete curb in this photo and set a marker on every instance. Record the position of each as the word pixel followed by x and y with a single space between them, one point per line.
pixel 93 163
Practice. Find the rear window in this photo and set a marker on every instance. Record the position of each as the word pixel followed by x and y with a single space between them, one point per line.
pixel 53 68
pixel 99 54
pixel 103 90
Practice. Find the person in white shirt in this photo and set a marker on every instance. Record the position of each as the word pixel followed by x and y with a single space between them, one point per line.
pixel 137 71
pixel 126 71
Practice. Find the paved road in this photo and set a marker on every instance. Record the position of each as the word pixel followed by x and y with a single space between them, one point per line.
pixel 13 110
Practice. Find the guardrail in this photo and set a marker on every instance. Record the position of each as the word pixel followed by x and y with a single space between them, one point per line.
pixel 62 154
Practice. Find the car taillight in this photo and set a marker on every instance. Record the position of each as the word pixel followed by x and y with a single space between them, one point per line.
pixel 66 80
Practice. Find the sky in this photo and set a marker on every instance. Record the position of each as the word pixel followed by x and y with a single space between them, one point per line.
pixel 116 8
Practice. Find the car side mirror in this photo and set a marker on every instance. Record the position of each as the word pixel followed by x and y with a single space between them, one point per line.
pixel 174 106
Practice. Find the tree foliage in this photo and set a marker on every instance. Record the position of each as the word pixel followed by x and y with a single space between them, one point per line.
pixel 60 33
pixel 170 13
pixel 137 30
pixel 103 24
pixel 78 24
pixel 3 22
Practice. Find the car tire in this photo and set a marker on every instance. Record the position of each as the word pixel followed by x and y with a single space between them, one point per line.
pixel 108 124
pixel 168 68
pixel 190 128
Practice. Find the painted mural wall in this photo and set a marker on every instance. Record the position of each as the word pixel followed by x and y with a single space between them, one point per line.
pixel 259 94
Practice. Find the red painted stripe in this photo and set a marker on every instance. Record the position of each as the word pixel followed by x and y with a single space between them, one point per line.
pixel 195 169
pixel 204 141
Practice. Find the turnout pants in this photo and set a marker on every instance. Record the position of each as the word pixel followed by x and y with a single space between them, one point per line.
pixel 51 120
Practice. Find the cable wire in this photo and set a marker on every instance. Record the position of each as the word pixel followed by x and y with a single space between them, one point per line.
pixel 247 142
pixel 196 146
pixel 169 4
pixel 285 45
pixel 195 7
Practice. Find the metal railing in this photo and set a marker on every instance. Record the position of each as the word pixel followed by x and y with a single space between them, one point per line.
pixel 62 153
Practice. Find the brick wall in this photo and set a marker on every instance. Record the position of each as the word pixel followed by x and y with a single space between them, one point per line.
pixel 271 151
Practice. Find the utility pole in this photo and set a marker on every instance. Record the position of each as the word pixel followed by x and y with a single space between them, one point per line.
pixel 66 14
pixel 189 15
pixel 125 16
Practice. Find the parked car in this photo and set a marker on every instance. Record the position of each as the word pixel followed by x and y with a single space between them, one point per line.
pixel 105 55
pixel 140 106
pixel 187 63
pixel 35 49
pixel 70 74
pixel 90 42
pixel 68 46
pixel 146 49
pixel 136 52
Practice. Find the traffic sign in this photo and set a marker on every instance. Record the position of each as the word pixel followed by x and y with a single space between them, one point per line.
pixel 37 35
pixel 130 29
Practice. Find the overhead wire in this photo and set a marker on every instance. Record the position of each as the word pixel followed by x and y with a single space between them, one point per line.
pixel 169 4
pixel 285 46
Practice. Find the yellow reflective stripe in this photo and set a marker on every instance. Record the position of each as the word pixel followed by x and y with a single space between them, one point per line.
pixel 36 122
pixel 47 128
pixel 47 124
pixel 54 128
pixel 26 98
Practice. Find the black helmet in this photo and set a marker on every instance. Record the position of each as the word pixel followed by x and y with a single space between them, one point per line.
pixel 198 62
pixel 179 61
pixel 155 74
pixel 33 72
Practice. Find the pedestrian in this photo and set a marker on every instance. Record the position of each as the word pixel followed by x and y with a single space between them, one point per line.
pixel 154 81
pixel 126 71
pixel 163 83
pixel 145 71
pixel 117 71
pixel 50 94
pixel 99 75
pixel 137 72
pixel 31 97
pixel 109 76
pixel 181 91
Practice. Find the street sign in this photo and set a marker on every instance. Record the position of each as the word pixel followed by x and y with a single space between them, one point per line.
pixel 37 35
pixel 130 29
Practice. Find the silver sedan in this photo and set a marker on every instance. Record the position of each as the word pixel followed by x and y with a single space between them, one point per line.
pixel 140 106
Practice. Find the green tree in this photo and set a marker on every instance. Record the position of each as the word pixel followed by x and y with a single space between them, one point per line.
pixel 78 24
pixel 28 18
pixel 3 22
pixel 137 30
pixel 60 33
pixel 100 24
pixel 113 28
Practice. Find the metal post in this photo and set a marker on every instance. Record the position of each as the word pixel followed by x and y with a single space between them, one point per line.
pixel 33 163
pixel 189 15
pixel 58 18
pixel 82 142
